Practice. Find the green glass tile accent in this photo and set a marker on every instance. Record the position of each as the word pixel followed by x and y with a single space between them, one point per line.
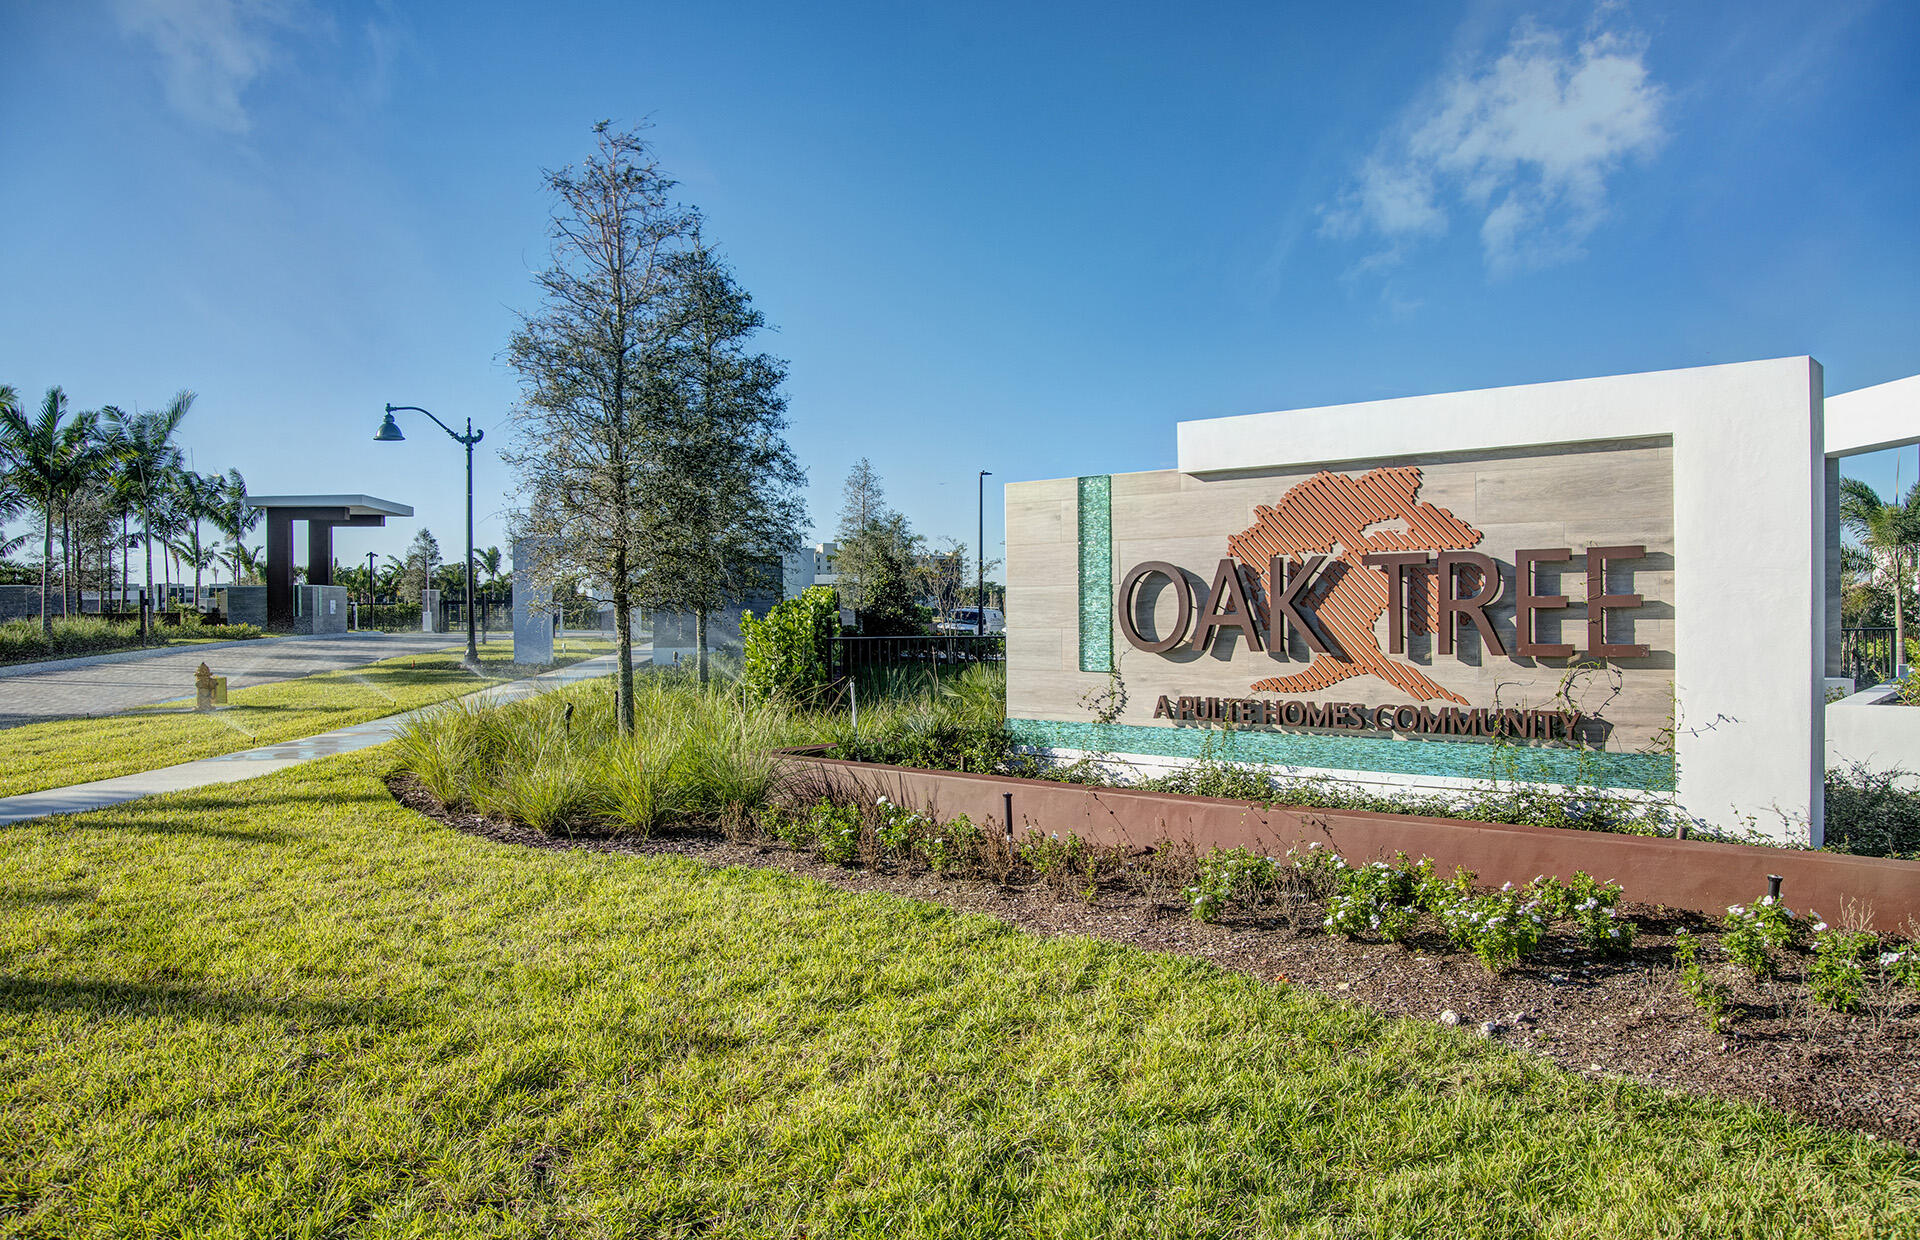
pixel 1383 754
pixel 1096 574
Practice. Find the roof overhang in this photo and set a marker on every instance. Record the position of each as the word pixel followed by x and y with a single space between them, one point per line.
pixel 344 505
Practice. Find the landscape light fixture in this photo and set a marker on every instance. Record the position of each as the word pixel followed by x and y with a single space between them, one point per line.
pixel 389 432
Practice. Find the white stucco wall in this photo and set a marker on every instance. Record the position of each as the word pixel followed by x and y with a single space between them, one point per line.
pixel 1886 415
pixel 1749 446
pixel 1871 729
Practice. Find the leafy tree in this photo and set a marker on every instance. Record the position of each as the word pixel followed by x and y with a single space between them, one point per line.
pixel 419 564
pixel 891 607
pixel 863 511
pixel 595 366
pixel 728 502
pixel 1888 531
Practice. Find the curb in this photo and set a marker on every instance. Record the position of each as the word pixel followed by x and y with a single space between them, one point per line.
pixel 134 656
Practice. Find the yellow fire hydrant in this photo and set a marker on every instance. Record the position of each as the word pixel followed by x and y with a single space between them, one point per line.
pixel 204 684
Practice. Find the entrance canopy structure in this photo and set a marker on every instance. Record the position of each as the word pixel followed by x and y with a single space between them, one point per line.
pixel 321 513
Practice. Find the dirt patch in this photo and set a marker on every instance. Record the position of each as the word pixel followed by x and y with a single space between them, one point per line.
pixel 1621 1016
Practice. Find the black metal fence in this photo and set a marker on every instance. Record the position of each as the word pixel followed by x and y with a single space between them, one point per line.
pixel 854 655
pixel 490 615
pixel 1867 655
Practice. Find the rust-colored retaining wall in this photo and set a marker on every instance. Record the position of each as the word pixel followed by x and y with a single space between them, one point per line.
pixel 1689 874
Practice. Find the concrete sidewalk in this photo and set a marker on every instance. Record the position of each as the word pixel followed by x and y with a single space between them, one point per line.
pixel 109 684
pixel 248 763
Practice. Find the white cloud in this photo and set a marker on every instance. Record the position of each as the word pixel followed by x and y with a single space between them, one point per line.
pixel 210 51
pixel 1525 144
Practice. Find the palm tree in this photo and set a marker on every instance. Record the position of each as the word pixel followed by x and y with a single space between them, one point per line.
pixel 490 561
pixel 152 457
pixel 196 498
pixel 1889 532
pixel 232 517
pixel 83 464
pixel 41 453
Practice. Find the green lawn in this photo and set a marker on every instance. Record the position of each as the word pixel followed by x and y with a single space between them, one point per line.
pixel 72 751
pixel 288 1007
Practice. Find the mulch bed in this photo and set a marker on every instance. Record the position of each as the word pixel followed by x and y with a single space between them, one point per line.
pixel 1622 1016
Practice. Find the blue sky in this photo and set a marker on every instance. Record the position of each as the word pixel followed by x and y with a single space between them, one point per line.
pixel 1011 237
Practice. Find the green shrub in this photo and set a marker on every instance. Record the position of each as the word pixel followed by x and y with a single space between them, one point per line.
pixel 1376 899
pixel 1231 876
pixel 1709 996
pixel 1500 927
pixel 835 832
pixel 223 632
pixel 789 653
pixel 1317 868
pixel 1750 934
pixel 24 641
pixel 1871 815
pixel 1838 975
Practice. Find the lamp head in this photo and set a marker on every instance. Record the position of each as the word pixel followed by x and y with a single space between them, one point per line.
pixel 389 431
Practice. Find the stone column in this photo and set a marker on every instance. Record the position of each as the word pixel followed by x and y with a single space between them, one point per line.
pixel 532 605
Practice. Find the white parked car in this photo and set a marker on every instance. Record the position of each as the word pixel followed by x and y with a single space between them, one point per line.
pixel 967 620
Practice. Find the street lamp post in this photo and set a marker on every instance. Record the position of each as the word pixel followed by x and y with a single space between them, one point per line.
pixel 389 432
pixel 980 564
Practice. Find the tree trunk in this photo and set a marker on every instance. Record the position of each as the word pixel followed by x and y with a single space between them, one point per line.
pixel 46 568
pixel 622 611
pixel 126 563
pixel 146 542
pixel 1899 620
pixel 700 641
pixel 66 561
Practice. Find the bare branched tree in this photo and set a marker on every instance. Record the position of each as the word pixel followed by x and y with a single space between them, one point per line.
pixel 596 367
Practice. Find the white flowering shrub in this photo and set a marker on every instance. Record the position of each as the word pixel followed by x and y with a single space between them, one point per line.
pixel 895 826
pixel 1591 905
pixel 946 845
pixel 1902 964
pixel 1317 868
pixel 1376 899
pixel 1230 876
pixel 1499 927
pixel 1751 933
pixel 1838 976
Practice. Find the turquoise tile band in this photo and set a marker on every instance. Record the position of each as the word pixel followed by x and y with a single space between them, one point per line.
pixel 1096 574
pixel 1383 755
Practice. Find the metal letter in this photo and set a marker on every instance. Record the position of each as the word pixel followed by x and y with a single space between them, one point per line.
pixel 1452 606
pixel 1227 588
pixel 1526 602
pixel 1599 602
pixel 1396 564
pixel 1182 595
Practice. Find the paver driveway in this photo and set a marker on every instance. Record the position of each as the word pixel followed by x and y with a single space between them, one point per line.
pixel 88 687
